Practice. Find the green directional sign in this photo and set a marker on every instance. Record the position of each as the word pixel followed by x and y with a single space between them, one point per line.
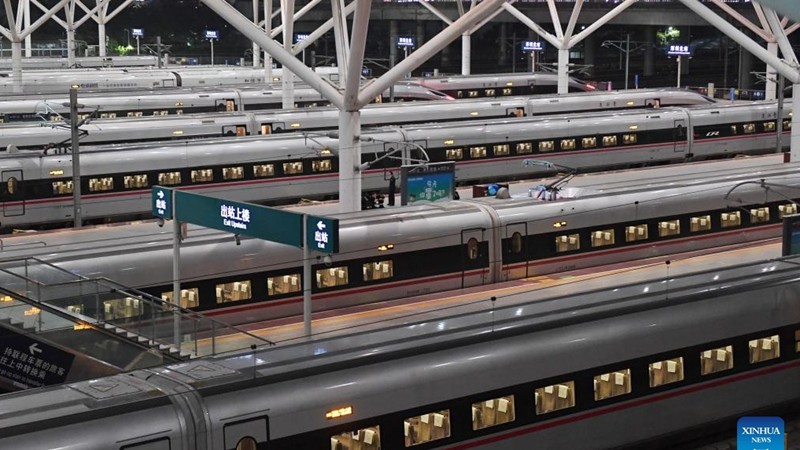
pixel 322 234
pixel 241 218
pixel 162 202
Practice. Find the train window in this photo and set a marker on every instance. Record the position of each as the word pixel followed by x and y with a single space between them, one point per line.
pixel 202 175
pixel 764 349
pixel 797 340
pixel 628 139
pixel 323 165
pixel 666 371
pixel 730 219
pixel 108 115
pixel 426 427
pixel 190 298
pixel 76 309
pixel 636 233
pixel 516 243
pixel 62 187
pixel 554 397
pixel 669 228
pixel 179 112
pixel 769 126
pixel 501 150
pixel 524 147
pixel 11 186
pixel 454 153
pixel 759 215
pixel 331 277
pixel 460 94
pixel 161 112
pixel 122 308
pixel 266 129
pixel 101 184
pixel 134 181
pixel 264 170
pixel 135 114
pixel 169 178
pixel 787 209
pixel 293 168
pixel 546 146
pixel 366 438
pixel 235 291
pixel 716 360
pixel 489 413
pixel 241 130
pixel 283 284
pixel 567 144
pixel 734 129
pixel 568 243
pixel 589 142
pixel 378 270
pixel 472 249
pixel 472 94
pixel 247 443
pixel 787 124
pixel 507 91
pixel 700 223
pixel 749 128
pixel 477 152
pixel 601 238
pixel 233 173
pixel 230 106
pixel 612 384
pixel 83 116
pixel 609 141
pixel 490 92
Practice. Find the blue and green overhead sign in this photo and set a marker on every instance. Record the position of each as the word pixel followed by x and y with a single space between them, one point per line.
pixel 248 219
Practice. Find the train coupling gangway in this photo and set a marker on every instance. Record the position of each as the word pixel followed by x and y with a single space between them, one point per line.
pixel 88 327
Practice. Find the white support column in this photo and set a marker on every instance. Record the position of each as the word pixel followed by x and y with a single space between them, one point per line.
pixel 563 70
pixel 341 39
pixel 466 53
pixel 16 64
pixel 349 150
pixel 256 48
pixel 794 150
pixel 772 74
pixel 102 48
pixel 26 4
pixel 287 79
pixel 267 32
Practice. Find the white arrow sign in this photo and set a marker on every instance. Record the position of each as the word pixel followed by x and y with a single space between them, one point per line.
pixel 160 194
pixel 320 225
pixel 34 348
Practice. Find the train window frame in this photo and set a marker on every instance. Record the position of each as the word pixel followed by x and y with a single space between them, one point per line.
pixel 769 126
pixel 715 360
pixel 524 148
pixel 786 209
pixel 477 152
pixel 331 277
pixel 434 419
pixel 759 215
pixel 562 395
pixel 515 246
pixel 589 142
pixel 377 270
pixel 669 228
pixel 190 297
pixel 204 175
pixel 546 146
pixel 787 124
pixel 473 249
pixel 101 184
pixel 501 149
pixel 567 144
pixel 609 141
pixel 602 238
pixel 492 408
pixel 172 178
pixel 473 94
pixel 699 224
pixel 612 384
pixel 454 154
pixel 366 435
pixel 233 173
pixel 277 283
pixel 247 443
pixel 321 165
pixel 62 187
pixel 293 168
pixel 734 130
pixel 568 242
pixel 12 184
pixel 263 170
pixel 233 291
pixel 125 307
pixel 507 91
pixel 637 232
pixel 666 371
pixel 797 341
pixel 136 181
pixel 730 219
pixel 489 93
pixel 749 128
pixel 629 138
pixel 764 349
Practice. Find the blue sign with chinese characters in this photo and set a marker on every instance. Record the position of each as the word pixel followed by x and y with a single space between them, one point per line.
pixel 137 32
pixel 406 41
pixel 162 202
pixel 212 34
pixel 679 50
pixel 30 363
pixel 427 183
pixel 300 37
pixel 322 234
pixel 532 46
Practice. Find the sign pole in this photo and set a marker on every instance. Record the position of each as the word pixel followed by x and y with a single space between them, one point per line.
pixel 176 270
pixel 306 281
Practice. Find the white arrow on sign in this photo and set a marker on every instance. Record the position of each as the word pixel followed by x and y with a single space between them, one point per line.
pixel 34 348
pixel 160 194
pixel 320 225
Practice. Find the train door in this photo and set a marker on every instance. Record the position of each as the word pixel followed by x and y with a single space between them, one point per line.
pixel 251 434
pixel 474 257
pixel 11 191
pixel 234 130
pixel 518 111
pixel 225 105
pixel 515 251
pixel 679 135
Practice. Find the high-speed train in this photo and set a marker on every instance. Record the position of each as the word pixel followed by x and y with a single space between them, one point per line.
pixel 60 81
pixel 49 63
pixel 588 370
pixel 499 85
pixel 209 125
pixel 116 180
pixel 421 248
